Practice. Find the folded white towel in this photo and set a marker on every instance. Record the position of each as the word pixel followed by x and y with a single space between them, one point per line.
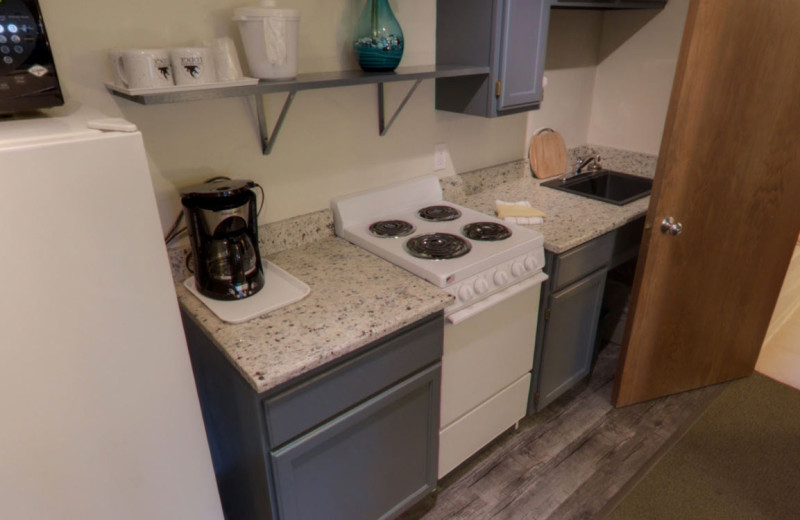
pixel 525 220
pixel 519 212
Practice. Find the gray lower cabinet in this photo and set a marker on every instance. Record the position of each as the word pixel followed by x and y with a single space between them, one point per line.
pixel 568 342
pixel 569 310
pixel 611 4
pixel 371 462
pixel 357 439
pixel 510 36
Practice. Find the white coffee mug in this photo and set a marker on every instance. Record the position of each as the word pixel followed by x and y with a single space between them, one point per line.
pixel 141 68
pixel 226 59
pixel 113 63
pixel 193 65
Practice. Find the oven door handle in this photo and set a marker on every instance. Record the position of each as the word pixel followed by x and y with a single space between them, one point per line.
pixel 459 316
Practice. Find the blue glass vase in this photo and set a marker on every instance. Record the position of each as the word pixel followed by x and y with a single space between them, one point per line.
pixel 378 39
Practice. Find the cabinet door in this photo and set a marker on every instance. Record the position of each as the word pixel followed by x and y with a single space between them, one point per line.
pixel 569 337
pixel 522 52
pixel 618 4
pixel 584 3
pixel 370 462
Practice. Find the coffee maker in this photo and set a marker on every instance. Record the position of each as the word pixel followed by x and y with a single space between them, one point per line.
pixel 221 219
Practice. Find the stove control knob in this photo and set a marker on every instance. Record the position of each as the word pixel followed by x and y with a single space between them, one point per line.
pixel 530 263
pixel 517 269
pixel 465 293
pixel 481 286
pixel 500 278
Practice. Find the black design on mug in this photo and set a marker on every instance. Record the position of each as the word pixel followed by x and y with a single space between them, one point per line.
pixel 163 68
pixel 193 66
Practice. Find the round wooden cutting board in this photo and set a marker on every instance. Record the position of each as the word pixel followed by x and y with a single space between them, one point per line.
pixel 548 154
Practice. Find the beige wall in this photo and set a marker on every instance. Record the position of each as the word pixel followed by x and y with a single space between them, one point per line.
pixel 638 56
pixel 329 144
pixel 572 56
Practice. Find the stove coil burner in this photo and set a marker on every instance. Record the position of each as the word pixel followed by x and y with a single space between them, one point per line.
pixel 391 229
pixel 488 231
pixel 438 246
pixel 439 213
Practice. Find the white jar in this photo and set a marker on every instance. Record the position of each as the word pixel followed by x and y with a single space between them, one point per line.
pixel 269 36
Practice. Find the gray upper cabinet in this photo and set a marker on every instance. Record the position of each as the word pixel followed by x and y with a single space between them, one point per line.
pixel 509 36
pixel 523 41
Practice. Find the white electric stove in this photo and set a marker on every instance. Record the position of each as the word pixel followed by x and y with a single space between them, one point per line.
pixel 493 268
pixel 469 254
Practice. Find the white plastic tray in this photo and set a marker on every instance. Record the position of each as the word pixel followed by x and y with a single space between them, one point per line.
pixel 182 88
pixel 280 289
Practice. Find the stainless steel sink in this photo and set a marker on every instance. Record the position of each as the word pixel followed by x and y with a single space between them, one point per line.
pixel 605 185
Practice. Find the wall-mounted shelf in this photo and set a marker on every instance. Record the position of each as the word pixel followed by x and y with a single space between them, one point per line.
pixel 310 81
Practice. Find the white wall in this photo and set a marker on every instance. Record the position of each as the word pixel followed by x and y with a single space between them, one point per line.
pixel 638 57
pixel 329 144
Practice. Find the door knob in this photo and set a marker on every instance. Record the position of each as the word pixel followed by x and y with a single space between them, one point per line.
pixel 670 226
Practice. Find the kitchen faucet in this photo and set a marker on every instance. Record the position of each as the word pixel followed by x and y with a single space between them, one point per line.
pixel 580 164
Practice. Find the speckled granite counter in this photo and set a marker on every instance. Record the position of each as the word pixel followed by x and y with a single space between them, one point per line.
pixel 356 298
pixel 571 219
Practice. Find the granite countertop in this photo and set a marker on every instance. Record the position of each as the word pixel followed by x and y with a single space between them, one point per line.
pixel 356 298
pixel 571 219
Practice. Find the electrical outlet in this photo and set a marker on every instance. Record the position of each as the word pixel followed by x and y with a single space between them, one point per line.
pixel 439 157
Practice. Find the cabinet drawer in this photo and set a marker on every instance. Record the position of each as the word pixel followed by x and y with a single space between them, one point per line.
pixel 582 260
pixel 618 4
pixel 476 429
pixel 371 462
pixel 298 410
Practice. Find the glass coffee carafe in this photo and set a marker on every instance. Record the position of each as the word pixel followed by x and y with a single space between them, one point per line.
pixel 221 218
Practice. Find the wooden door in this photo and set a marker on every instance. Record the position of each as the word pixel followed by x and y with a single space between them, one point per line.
pixel 729 172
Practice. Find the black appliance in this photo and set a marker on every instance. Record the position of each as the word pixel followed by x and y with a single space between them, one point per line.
pixel 28 77
pixel 221 220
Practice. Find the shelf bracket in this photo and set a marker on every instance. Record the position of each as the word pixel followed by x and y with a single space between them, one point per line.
pixel 382 126
pixel 268 142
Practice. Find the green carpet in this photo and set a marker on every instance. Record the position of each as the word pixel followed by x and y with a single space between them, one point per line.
pixel 740 460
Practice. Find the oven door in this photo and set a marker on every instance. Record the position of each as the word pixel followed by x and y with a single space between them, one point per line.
pixel 488 356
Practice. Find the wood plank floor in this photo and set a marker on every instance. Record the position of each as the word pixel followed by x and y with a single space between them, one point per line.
pixel 572 460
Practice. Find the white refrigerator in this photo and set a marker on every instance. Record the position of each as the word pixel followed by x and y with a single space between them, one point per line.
pixel 99 416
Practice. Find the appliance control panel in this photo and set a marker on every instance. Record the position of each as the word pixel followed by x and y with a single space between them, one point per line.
pixel 475 288
pixel 27 71
pixel 18 34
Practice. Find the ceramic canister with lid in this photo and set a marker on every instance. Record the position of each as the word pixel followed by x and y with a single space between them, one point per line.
pixel 269 36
